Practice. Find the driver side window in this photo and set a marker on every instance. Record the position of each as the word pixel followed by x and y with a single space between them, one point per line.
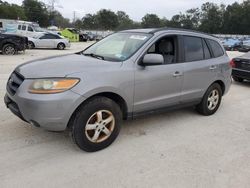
pixel 166 47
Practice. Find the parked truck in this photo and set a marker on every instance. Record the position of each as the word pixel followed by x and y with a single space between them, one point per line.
pixel 19 27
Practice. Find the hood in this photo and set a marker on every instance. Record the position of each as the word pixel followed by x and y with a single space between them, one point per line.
pixel 5 35
pixel 62 66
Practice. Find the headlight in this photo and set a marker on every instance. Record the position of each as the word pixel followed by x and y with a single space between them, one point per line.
pixel 47 86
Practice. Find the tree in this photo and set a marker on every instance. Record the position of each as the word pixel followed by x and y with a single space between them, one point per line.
pixel 107 19
pixel 89 21
pixel 211 18
pixel 191 19
pixel 57 19
pixel 11 11
pixel 124 22
pixel 175 21
pixel 36 11
pixel 236 18
pixel 78 24
pixel 151 20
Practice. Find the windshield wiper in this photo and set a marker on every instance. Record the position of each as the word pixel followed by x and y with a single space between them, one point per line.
pixel 95 56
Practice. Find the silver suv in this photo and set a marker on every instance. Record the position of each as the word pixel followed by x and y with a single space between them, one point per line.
pixel 125 75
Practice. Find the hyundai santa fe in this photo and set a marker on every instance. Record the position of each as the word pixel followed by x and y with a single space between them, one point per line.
pixel 127 74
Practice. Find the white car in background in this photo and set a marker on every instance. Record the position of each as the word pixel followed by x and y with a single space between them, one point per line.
pixel 48 40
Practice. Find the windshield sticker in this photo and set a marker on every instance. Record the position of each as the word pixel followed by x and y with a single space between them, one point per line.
pixel 138 37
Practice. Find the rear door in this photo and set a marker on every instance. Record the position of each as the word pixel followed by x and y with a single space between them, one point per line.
pixel 199 68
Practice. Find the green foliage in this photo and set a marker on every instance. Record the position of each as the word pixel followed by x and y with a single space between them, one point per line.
pixel 124 22
pixel 89 21
pixel 106 19
pixel 36 11
pixel 210 17
pixel 11 11
pixel 58 19
pixel 151 21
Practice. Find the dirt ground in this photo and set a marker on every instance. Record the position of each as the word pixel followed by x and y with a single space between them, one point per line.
pixel 178 149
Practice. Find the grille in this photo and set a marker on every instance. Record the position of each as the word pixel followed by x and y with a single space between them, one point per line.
pixel 14 82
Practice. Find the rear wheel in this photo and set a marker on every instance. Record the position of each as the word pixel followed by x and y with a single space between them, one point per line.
pixel 237 79
pixel 61 46
pixel 211 100
pixel 31 45
pixel 96 124
pixel 9 49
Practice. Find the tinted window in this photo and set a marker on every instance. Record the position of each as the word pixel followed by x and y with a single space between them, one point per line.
pixel 19 27
pixel 1 24
pixel 24 27
pixel 48 36
pixel 216 48
pixel 193 48
pixel 207 54
pixel 30 29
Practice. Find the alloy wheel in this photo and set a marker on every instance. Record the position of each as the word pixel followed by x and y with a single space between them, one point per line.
pixel 213 99
pixel 10 50
pixel 100 126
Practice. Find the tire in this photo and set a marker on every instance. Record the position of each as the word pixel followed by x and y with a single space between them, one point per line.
pixel 210 101
pixel 61 46
pixel 9 49
pixel 237 79
pixel 91 134
pixel 31 45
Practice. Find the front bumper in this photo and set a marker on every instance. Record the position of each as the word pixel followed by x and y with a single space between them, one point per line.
pixel 241 73
pixel 49 111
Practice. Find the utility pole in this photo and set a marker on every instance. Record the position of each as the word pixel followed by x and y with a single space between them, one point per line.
pixel 74 16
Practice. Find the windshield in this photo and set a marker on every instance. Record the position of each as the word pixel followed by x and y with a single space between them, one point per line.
pixel 118 47
pixel 38 29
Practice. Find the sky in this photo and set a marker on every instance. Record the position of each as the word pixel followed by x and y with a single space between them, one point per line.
pixel 136 9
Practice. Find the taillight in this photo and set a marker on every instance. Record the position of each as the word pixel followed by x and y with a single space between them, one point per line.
pixel 232 63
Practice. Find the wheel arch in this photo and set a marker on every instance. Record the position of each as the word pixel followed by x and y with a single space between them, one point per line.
pixel 111 95
pixel 222 85
pixel 61 42
pixel 8 42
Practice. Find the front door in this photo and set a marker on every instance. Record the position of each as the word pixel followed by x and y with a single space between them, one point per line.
pixel 47 41
pixel 159 86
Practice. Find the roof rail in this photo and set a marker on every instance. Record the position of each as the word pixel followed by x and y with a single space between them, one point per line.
pixel 179 29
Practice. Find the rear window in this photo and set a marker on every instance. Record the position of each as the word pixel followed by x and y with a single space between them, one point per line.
pixel 216 48
pixel 193 48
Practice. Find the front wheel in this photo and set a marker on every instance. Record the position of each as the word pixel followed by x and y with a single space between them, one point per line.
pixel 210 101
pixel 61 46
pixel 96 124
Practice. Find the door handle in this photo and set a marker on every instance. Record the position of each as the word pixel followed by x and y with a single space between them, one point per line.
pixel 177 74
pixel 212 67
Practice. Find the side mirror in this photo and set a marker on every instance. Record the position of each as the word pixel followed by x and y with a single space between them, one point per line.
pixel 152 59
